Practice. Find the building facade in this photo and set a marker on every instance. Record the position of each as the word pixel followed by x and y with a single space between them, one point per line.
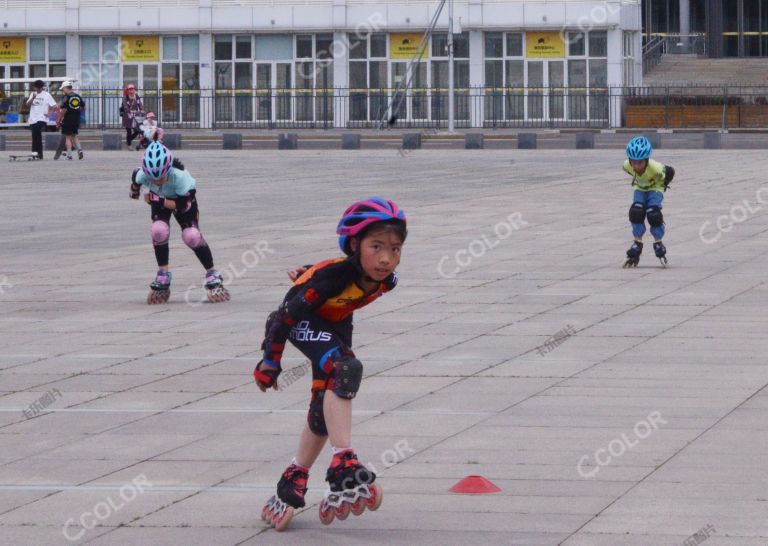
pixel 734 28
pixel 215 63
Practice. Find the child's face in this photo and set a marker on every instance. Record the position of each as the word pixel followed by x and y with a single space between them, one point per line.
pixel 639 166
pixel 380 254
pixel 161 181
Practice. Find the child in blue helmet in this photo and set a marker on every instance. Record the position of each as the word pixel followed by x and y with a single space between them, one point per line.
pixel 650 180
pixel 172 193
pixel 316 317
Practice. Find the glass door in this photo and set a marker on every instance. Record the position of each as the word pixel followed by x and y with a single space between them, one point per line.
pixel 409 102
pixel 264 91
pixel 283 88
pixel 535 95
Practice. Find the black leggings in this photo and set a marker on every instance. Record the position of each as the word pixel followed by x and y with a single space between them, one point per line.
pixel 130 134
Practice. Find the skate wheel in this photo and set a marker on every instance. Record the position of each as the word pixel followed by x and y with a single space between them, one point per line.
pixel 342 512
pixel 264 512
pixel 281 523
pixel 377 495
pixel 358 507
pixel 326 515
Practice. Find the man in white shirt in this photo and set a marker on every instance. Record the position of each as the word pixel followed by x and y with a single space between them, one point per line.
pixel 40 103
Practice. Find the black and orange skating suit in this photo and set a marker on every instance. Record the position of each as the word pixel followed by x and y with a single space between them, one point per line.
pixel 316 316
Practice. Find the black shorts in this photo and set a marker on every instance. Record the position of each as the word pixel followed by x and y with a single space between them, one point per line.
pixel 70 128
pixel 323 342
pixel 186 218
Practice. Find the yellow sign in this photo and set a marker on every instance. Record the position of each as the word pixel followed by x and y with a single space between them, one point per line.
pixel 141 48
pixel 13 50
pixel 406 45
pixel 544 45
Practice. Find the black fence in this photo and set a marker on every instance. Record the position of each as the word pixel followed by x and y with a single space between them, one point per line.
pixel 707 107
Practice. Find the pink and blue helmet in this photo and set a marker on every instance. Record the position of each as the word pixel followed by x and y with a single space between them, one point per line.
pixel 157 161
pixel 362 214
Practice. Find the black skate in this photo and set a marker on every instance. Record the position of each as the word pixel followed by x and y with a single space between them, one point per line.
pixel 291 488
pixel 160 287
pixel 215 287
pixel 661 252
pixel 351 489
pixel 633 254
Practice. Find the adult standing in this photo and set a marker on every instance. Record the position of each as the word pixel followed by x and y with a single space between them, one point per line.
pixel 40 103
pixel 72 107
pixel 130 108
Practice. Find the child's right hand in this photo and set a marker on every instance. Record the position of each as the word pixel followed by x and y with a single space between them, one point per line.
pixel 266 376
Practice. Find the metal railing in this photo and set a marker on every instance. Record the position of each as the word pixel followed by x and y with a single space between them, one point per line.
pixel 672 44
pixel 475 107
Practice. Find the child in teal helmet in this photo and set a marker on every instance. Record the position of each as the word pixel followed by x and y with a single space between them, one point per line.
pixel 650 180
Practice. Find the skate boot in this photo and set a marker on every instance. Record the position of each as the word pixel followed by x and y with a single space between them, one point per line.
pixel 80 154
pixel 351 489
pixel 161 288
pixel 291 489
pixel 215 288
pixel 633 254
pixel 661 252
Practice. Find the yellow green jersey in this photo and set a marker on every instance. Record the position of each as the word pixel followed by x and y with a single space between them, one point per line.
pixel 651 180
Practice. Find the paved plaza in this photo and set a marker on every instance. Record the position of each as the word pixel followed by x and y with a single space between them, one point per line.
pixel 611 406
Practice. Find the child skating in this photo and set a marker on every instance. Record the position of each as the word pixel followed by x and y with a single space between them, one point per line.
pixel 172 192
pixel 650 180
pixel 316 316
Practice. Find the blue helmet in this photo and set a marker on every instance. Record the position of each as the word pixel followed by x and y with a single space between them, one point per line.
pixel 639 148
pixel 157 161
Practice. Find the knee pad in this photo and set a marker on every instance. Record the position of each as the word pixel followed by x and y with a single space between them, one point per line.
pixel 161 232
pixel 192 237
pixel 655 217
pixel 637 213
pixel 347 374
pixel 315 417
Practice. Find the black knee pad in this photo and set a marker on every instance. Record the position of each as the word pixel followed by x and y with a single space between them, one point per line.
pixel 637 213
pixel 315 417
pixel 655 217
pixel 347 374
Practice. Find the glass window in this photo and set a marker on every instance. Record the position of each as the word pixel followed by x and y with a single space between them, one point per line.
pixel 170 48
pixel 575 44
pixel 304 46
pixel 57 70
pixel 190 76
pixel 110 49
pixel 222 47
pixel 243 47
pixel 440 44
pixel 223 75
pixel 378 45
pixel 577 73
pixel 358 75
pixel 515 74
pixel 514 44
pixel 461 45
pixel 57 48
pixel 598 44
pixel 379 74
pixel 494 74
pixel 243 75
pixel 38 71
pixel 358 47
pixel 598 73
pixel 89 49
pixel 274 47
pixel 110 76
pixel 190 48
pixel 494 44
pixel 324 46
pixel 36 50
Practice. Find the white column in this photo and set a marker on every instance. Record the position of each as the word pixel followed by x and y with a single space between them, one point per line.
pixel 615 72
pixel 476 76
pixel 71 25
pixel 340 79
pixel 207 81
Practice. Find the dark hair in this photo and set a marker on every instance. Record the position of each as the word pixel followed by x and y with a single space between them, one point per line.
pixel 394 225
pixel 177 164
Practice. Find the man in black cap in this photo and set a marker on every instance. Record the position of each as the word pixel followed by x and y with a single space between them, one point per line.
pixel 40 103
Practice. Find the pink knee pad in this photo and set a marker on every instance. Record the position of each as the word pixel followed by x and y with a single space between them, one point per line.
pixel 192 237
pixel 161 232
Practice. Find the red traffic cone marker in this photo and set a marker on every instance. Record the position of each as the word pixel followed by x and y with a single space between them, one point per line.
pixel 474 485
